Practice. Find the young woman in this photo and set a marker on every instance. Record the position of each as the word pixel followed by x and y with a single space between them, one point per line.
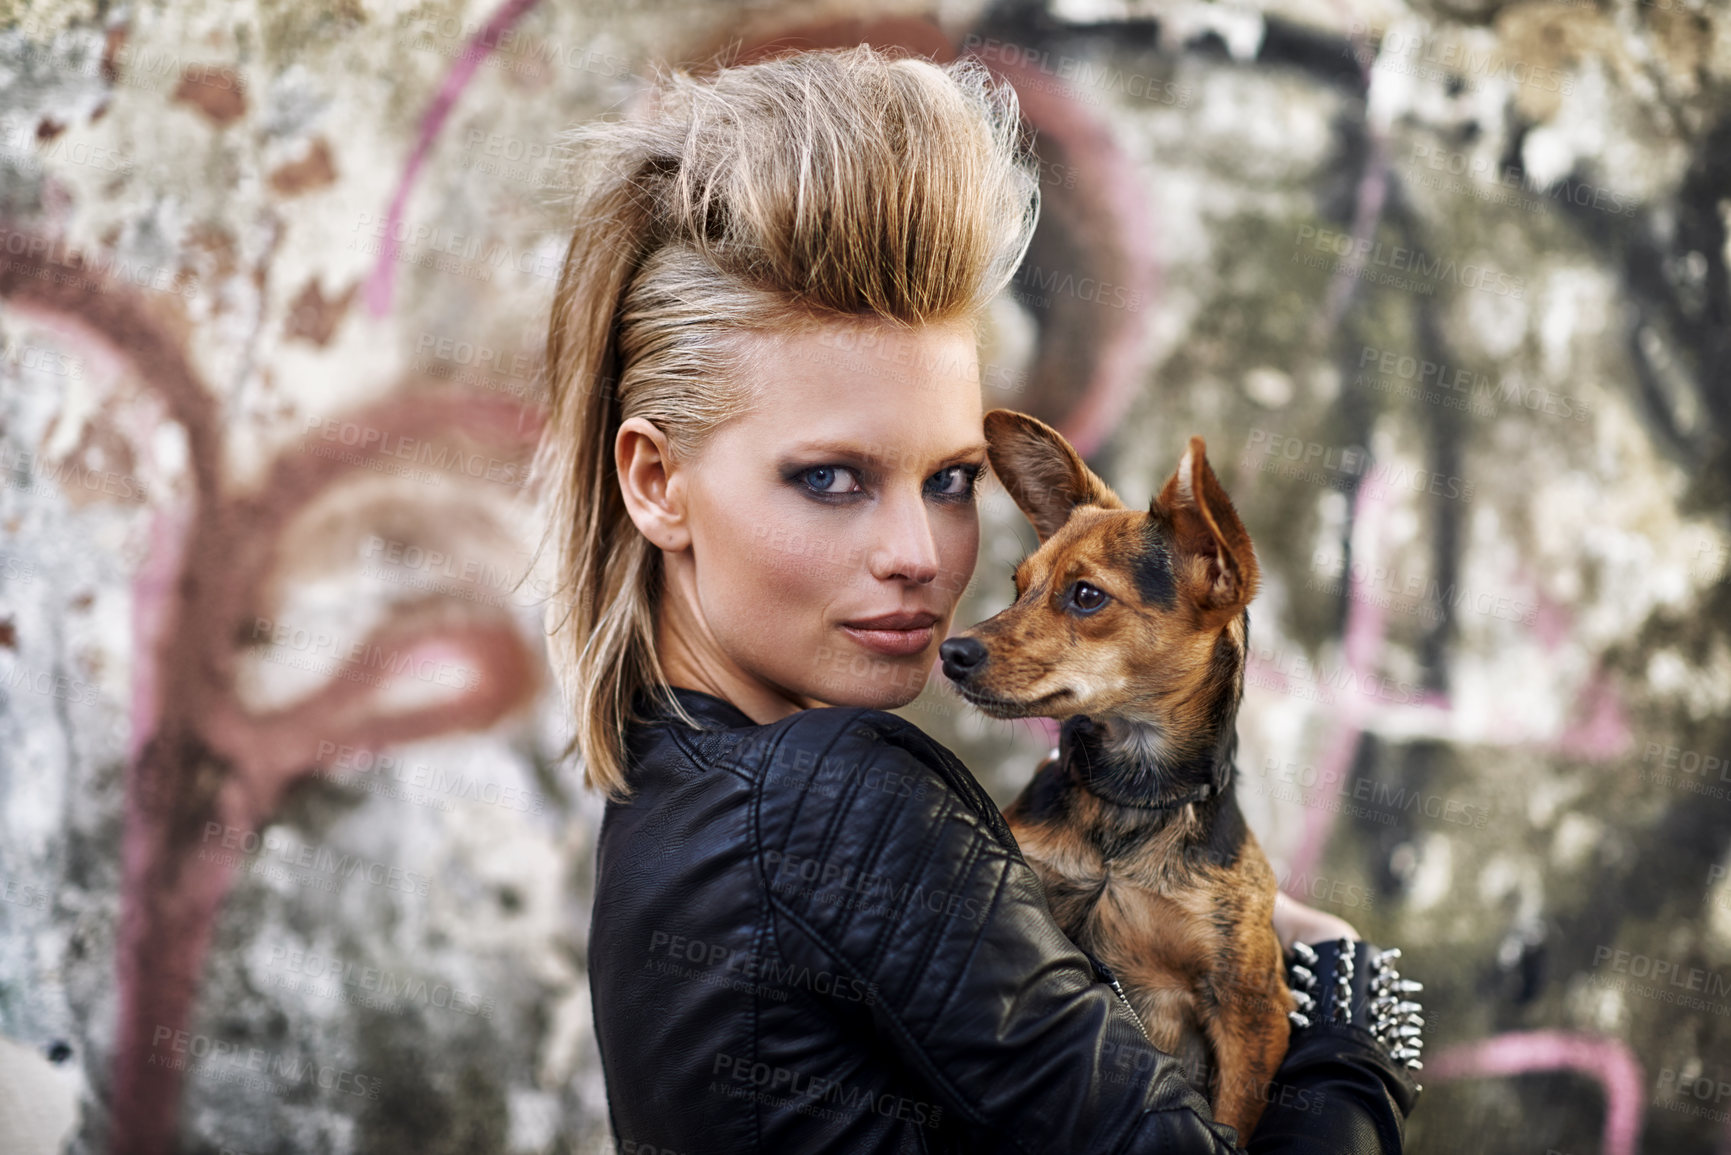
pixel 812 930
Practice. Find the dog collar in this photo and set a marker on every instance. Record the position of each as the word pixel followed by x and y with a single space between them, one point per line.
pixel 1099 790
pixel 1079 763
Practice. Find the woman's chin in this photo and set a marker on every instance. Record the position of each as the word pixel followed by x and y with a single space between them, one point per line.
pixel 886 690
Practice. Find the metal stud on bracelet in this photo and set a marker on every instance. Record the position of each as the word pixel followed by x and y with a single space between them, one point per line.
pixel 1396 1021
pixel 1340 1010
pixel 1301 979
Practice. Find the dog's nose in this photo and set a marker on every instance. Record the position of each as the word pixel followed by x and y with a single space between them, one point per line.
pixel 962 656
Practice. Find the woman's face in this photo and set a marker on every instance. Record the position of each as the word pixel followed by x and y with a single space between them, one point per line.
pixel 824 537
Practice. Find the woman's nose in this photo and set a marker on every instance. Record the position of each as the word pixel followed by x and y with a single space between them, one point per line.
pixel 906 547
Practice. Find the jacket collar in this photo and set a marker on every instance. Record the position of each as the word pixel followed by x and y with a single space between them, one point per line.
pixel 705 707
pixel 710 710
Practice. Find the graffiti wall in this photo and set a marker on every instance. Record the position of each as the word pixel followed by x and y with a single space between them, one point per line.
pixel 289 860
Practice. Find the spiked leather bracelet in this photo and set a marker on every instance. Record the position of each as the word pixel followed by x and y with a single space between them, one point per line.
pixel 1348 981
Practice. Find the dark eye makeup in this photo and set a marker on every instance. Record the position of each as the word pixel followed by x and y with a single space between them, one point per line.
pixel 831 483
pixel 830 480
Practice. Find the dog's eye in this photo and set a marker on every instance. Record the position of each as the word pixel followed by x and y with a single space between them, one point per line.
pixel 1087 598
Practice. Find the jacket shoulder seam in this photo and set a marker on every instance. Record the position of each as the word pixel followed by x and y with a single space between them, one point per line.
pixel 973 948
pixel 829 745
pixel 930 839
pixel 698 763
pixel 976 851
pixel 894 1020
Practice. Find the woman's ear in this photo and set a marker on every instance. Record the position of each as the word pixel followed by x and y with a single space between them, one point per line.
pixel 648 481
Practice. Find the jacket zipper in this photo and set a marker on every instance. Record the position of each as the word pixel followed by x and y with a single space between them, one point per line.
pixel 1105 972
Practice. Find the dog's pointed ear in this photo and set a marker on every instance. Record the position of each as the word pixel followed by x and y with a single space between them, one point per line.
pixel 1207 528
pixel 1045 477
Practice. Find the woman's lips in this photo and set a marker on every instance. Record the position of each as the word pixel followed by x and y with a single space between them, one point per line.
pixel 895 643
pixel 897 635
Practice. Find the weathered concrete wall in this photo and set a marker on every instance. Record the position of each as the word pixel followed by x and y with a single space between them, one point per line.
pixel 1444 288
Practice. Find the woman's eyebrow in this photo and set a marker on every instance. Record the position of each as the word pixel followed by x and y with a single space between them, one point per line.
pixel 877 453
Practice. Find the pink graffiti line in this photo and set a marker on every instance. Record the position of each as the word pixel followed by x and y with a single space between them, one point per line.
pixel 199 755
pixel 1370 196
pixel 1122 362
pixel 1608 1061
pixel 379 284
pixel 1365 635
pixel 1597 730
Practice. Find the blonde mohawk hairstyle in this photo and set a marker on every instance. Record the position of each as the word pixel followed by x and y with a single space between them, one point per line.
pixel 815 187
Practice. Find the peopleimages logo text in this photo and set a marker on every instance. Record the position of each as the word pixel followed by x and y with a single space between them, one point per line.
pixel 1398 257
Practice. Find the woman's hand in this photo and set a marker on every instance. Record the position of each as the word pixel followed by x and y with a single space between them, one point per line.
pixel 1295 922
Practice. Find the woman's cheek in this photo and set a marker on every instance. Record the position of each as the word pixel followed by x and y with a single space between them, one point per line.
pixel 790 585
pixel 958 553
pixel 793 559
pixel 784 583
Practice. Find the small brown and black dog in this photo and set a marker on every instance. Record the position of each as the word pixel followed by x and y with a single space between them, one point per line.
pixel 1131 626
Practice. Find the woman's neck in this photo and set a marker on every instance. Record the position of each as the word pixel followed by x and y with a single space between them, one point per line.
pixel 689 658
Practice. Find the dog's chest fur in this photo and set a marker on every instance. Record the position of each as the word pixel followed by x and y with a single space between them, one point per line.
pixel 1143 891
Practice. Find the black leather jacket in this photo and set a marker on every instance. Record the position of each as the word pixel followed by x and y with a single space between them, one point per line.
pixel 819 935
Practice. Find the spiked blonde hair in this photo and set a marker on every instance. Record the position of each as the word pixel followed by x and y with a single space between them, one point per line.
pixel 823 186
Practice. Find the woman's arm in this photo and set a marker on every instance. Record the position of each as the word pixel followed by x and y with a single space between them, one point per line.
pixel 904 884
pixel 1334 1068
pixel 1295 922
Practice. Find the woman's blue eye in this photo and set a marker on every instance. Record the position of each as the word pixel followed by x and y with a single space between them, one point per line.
pixel 954 482
pixel 957 480
pixel 822 478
